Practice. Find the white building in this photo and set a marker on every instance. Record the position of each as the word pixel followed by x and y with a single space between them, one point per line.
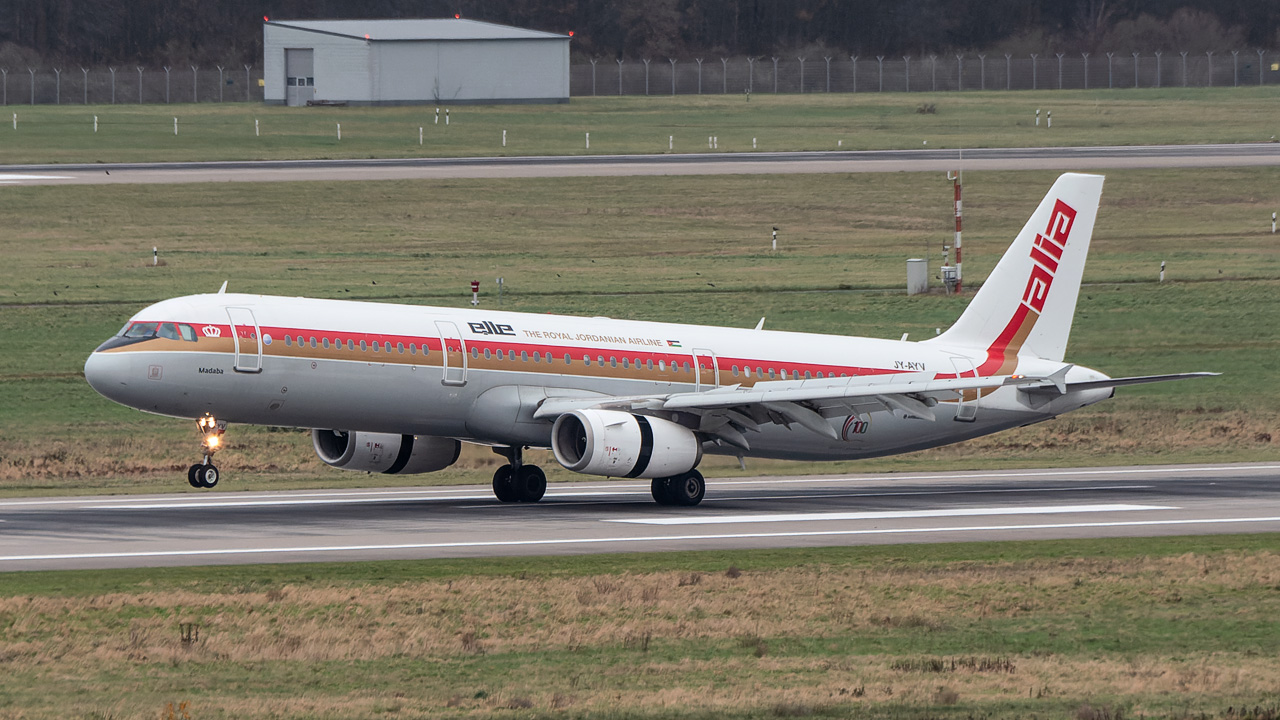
pixel 407 62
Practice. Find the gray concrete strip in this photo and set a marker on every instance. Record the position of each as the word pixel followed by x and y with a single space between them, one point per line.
pixel 222 527
pixel 864 161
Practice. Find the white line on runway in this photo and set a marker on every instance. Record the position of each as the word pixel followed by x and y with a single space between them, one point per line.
pixel 885 515
pixel 9 177
pixel 611 540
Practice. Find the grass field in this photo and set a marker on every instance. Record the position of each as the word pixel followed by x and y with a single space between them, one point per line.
pixel 1176 628
pixel 132 133
pixel 677 249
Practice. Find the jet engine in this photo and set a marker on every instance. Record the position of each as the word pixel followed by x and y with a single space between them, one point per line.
pixel 619 444
pixel 385 452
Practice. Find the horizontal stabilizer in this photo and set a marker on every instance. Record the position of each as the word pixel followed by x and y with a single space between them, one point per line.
pixel 1058 389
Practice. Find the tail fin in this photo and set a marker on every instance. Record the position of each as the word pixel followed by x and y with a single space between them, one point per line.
pixel 1026 306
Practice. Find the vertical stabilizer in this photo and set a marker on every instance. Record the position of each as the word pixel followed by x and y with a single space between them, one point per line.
pixel 1026 306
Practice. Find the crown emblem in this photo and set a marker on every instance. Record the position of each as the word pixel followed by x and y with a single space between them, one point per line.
pixel 211 331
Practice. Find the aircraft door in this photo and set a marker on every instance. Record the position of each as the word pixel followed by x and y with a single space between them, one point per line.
pixel 454 352
pixel 968 408
pixel 300 81
pixel 706 369
pixel 248 345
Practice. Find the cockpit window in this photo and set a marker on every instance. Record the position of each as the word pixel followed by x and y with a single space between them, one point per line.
pixel 141 330
pixel 188 333
pixel 168 331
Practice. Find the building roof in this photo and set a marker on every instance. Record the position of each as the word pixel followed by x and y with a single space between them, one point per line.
pixel 437 29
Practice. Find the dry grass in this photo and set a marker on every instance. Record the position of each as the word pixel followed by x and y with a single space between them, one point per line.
pixel 793 640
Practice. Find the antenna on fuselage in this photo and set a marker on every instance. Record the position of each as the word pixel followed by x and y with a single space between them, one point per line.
pixel 222 290
pixel 760 325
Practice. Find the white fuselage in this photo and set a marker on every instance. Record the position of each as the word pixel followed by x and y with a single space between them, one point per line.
pixel 478 375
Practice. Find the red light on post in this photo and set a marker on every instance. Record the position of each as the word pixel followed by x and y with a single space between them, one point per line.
pixel 570 33
pixel 457 16
pixel 266 19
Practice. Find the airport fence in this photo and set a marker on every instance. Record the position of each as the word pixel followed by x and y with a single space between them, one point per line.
pixel 130 85
pixel 674 76
pixel 929 73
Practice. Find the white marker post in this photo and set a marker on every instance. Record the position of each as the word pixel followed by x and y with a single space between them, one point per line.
pixel 475 292
pixel 588 141
pixel 499 281
pixel 1037 117
pixel 775 238
pixel 504 138
pixel 1048 120
pixel 155 256
pixel 753 143
pixel 95 123
pixel 1161 271
pixel 437 116
pixel 339 130
pixel 671 142
pixel 839 143
pixel 1273 223
pixel 446 116
pixel 419 134
pixel 15 121
pixel 175 127
pixel 257 132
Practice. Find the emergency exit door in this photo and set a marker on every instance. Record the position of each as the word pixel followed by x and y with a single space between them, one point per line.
pixel 300 80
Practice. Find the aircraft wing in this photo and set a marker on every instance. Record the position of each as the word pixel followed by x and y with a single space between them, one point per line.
pixel 726 413
pixel 1052 389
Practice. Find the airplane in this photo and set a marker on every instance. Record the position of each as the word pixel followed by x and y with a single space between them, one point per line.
pixel 397 389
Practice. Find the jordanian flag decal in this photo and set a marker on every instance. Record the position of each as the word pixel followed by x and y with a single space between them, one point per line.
pixel 673 343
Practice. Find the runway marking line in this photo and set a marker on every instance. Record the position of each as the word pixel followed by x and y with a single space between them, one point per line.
pixel 639 539
pixel 883 515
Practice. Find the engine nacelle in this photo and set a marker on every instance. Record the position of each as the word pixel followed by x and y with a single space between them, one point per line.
pixel 619 444
pixel 385 452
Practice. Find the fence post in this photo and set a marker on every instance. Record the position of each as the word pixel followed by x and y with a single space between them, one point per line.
pixel 32 71
pixel 775 76
pixel 801 74
pixel 1158 54
pixel 166 84
pixel 1086 70
pixel 1135 69
pixel 619 76
pixel 195 85
pixel 880 59
pixel 982 72
pixel 139 84
pixel 907 71
pixel 1260 68
pixel 593 75
pixel 751 75
pixel 57 86
pixel 933 73
pixel 1008 71
pixel 1060 70
pixel 724 76
pixel 5 71
pixel 85 71
pixel 247 79
pixel 1184 67
pixel 1034 83
pixel 1235 68
pixel 113 85
pixel 1109 83
pixel 699 61
pixel 220 83
pixel 1210 54
pixel 646 62
pixel 673 75
pixel 828 73
pixel 959 73
pixel 854 60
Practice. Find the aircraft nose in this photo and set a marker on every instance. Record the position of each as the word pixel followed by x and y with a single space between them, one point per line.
pixel 107 373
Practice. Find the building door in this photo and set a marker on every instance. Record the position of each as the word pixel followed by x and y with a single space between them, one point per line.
pixel 300 81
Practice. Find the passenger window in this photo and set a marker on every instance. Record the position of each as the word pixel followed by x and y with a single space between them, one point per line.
pixel 586 360
pixel 600 359
pixel 426 350
pixel 363 346
pixel 807 375
pixel 475 353
pixel 613 361
pixel 735 371
pixel 326 343
pixel 687 367
pixel 547 357
pixel 771 375
pixel 648 364
pixel 288 341
pixel 662 365
pixel 313 342
pixel 524 356
pixel 759 372
pixel 400 348
pixel 568 360
pixel 626 363
pixel 413 349
pixel 487 354
pixel 351 344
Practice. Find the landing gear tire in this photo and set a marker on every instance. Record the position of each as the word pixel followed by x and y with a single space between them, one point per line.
pixel 661 494
pixel 686 490
pixel 531 483
pixel 191 476
pixel 204 476
pixel 504 485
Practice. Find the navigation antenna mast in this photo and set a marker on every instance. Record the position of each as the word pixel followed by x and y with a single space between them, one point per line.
pixel 954 277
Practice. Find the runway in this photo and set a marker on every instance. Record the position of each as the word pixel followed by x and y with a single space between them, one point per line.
pixel 227 527
pixel 742 163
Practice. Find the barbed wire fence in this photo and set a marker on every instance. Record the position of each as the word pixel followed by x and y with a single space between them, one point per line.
pixel 706 76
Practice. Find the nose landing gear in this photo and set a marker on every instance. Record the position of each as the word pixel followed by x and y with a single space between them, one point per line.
pixel 204 474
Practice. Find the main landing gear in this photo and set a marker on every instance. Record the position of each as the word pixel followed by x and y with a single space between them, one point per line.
pixel 204 474
pixel 687 489
pixel 518 482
